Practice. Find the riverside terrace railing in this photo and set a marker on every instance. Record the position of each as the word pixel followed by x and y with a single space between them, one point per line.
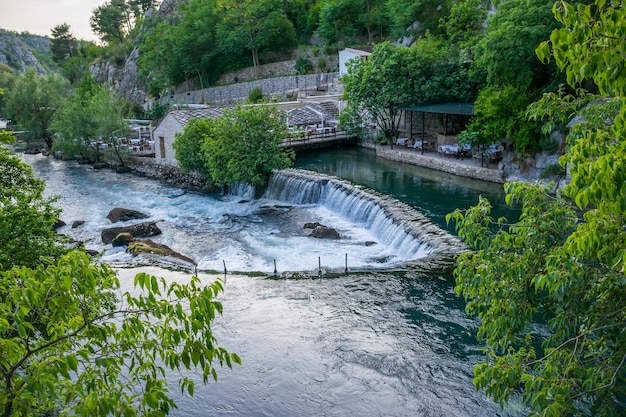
pixel 313 137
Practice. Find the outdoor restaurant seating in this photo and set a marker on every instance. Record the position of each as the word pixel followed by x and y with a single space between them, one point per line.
pixel 493 153
pixel 454 150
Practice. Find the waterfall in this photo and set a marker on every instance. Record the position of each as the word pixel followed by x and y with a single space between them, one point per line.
pixel 405 231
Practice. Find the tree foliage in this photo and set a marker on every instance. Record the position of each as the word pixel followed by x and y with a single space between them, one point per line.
pixel 70 343
pixel 255 26
pixel 188 146
pixel 243 145
pixel 349 20
pixel 89 118
pixel 415 18
pixel 114 20
pixel 394 77
pixel 63 43
pixel 33 101
pixel 27 218
pixel 507 51
pixel 550 289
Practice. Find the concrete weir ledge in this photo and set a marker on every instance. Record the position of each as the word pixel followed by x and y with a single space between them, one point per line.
pixel 364 205
pixel 467 168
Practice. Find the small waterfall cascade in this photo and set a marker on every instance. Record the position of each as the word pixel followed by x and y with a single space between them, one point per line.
pixel 405 231
pixel 242 189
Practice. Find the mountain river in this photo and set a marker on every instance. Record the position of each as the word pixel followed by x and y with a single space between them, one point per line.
pixel 386 339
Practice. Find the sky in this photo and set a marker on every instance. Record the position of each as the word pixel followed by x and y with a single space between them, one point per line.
pixel 40 16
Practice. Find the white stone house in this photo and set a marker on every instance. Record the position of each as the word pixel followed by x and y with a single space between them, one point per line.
pixel 174 122
pixel 347 54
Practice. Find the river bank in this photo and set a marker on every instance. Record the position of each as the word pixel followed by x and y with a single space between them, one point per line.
pixel 530 168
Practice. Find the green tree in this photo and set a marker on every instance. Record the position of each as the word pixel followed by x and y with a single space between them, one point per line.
pixel 243 145
pixel 255 26
pixel 71 344
pixel 415 17
pixel 7 81
pixel 339 20
pixel 464 24
pixel 550 290
pixel 110 21
pixel 27 218
pixel 188 145
pixel 394 77
pixel 379 87
pixel 299 13
pixel 63 43
pixel 87 120
pixel 182 47
pixel 500 114
pixel 506 54
pixel 116 19
pixel 33 101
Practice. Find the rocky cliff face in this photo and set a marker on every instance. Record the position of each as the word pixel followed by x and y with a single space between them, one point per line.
pixel 125 79
pixel 22 50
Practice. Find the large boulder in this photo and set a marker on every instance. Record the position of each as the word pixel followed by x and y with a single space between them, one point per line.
pixel 324 232
pixel 147 246
pixel 123 239
pixel 120 214
pixel 145 229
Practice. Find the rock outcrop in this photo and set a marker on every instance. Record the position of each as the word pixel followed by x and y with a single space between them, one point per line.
pixel 147 246
pixel 123 239
pixel 322 232
pixel 21 50
pixel 120 214
pixel 145 229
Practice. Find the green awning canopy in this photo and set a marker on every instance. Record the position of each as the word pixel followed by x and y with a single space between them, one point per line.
pixel 444 108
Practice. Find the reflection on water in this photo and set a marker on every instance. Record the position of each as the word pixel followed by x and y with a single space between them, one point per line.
pixel 370 344
pixel 434 193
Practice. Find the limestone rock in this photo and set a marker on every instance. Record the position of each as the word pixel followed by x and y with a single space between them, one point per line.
pixel 145 229
pixel 59 224
pixel 147 246
pixel 123 239
pixel 324 232
pixel 120 214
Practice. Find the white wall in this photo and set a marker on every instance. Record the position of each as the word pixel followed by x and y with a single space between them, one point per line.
pixel 166 130
pixel 346 55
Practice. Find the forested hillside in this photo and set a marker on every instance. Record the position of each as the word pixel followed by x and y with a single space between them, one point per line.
pixel 175 41
pixel 200 39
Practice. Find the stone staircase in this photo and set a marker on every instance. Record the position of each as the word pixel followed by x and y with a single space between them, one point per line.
pixel 330 108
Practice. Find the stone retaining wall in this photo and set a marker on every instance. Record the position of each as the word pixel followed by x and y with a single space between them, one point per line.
pixel 168 174
pixel 283 87
pixel 414 158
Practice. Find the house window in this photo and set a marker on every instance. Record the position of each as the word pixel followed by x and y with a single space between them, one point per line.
pixel 162 146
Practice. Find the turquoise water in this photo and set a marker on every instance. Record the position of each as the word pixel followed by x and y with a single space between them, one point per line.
pixel 369 344
pixel 431 192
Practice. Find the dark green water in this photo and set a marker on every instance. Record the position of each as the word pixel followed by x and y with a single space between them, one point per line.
pixel 375 344
pixel 431 192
